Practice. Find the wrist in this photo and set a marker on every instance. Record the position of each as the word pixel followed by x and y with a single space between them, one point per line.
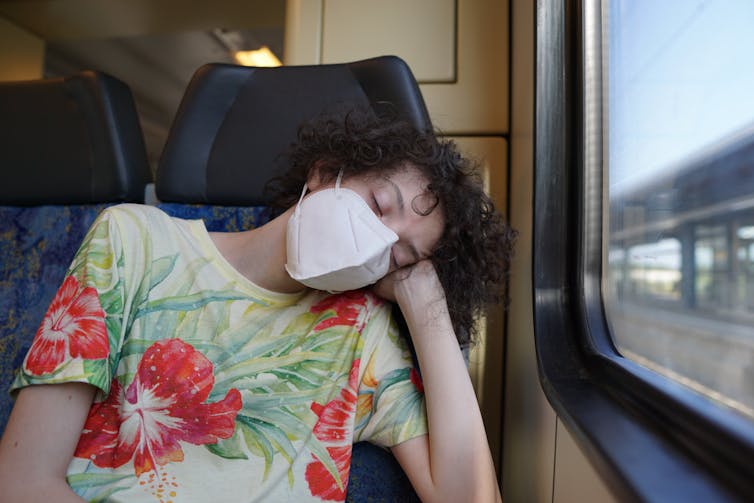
pixel 428 318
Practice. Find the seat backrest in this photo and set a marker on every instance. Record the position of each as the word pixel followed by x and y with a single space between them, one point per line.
pixel 235 121
pixel 73 140
pixel 233 124
pixel 68 148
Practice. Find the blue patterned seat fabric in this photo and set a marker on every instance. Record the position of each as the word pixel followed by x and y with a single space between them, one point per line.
pixel 218 218
pixel 375 474
pixel 37 244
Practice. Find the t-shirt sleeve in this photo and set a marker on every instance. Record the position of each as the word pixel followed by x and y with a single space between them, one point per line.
pixel 390 406
pixel 80 336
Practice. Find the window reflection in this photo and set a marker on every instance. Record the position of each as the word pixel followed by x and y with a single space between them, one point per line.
pixel 655 270
pixel 679 275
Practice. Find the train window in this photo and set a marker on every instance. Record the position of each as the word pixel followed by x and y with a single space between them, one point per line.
pixel 678 277
pixel 643 269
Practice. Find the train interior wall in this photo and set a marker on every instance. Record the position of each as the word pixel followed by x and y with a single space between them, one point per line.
pixel 475 62
pixel 541 460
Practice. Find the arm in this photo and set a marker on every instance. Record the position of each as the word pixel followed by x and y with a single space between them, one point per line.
pixel 39 441
pixel 453 462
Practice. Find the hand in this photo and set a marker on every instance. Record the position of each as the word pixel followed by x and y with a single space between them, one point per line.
pixel 385 287
pixel 411 285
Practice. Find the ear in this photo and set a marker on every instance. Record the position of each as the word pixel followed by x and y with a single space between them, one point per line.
pixel 314 178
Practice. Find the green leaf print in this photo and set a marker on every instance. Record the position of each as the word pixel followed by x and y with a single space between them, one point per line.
pixel 160 270
pixel 97 373
pixel 258 338
pixel 135 347
pixel 114 325
pixel 177 312
pixel 230 448
pixel 162 324
pixel 187 302
pixel 257 438
pixel 397 376
pixel 80 482
pixel 273 439
pixel 260 400
pixel 253 366
pixel 301 376
pixel 95 257
pixel 265 431
pixel 403 415
pixel 156 272
pixel 282 356
pixel 112 300
pixel 279 375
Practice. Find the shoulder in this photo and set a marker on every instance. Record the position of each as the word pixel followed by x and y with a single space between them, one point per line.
pixel 131 217
pixel 133 211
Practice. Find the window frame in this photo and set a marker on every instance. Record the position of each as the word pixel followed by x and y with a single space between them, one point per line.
pixel 648 437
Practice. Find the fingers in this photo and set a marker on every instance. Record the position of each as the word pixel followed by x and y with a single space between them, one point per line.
pixel 415 279
pixel 385 287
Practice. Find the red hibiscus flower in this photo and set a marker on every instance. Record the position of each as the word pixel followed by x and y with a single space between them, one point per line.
pixel 345 308
pixel 74 325
pixel 322 483
pixel 163 406
pixel 332 427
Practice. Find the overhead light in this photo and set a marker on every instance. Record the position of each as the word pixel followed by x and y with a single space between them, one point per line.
pixel 261 57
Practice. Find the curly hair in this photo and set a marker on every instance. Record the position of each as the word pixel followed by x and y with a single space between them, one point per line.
pixel 473 255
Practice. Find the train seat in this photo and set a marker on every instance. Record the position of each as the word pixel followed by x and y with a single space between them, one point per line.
pixel 231 128
pixel 68 148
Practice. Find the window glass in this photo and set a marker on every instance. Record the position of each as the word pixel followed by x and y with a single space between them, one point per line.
pixel 679 241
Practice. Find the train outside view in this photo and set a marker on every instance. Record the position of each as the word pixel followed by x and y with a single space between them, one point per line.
pixel 679 243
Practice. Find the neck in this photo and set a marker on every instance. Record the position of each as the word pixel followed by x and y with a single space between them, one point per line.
pixel 260 254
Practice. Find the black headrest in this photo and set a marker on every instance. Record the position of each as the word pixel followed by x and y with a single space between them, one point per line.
pixel 72 140
pixel 235 121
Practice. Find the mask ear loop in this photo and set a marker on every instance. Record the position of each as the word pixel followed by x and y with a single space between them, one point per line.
pixel 301 198
pixel 337 183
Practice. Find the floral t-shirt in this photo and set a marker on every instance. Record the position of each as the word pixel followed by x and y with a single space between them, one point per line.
pixel 212 388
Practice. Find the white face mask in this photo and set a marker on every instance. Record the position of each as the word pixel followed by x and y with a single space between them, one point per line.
pixel 336 242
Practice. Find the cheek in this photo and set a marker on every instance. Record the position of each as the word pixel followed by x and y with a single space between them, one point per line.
pixel 433 232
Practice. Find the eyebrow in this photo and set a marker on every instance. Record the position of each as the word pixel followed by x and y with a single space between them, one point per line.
pixel 401 207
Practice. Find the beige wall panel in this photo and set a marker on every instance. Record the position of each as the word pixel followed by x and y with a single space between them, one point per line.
pixel 575 479
pixel 530 422
pixel 422 32
pixel 303 32
pixel 21 53
pixel 486 356
pixel 478 101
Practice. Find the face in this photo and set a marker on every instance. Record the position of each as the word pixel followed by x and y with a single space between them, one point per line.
pixel 400 201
